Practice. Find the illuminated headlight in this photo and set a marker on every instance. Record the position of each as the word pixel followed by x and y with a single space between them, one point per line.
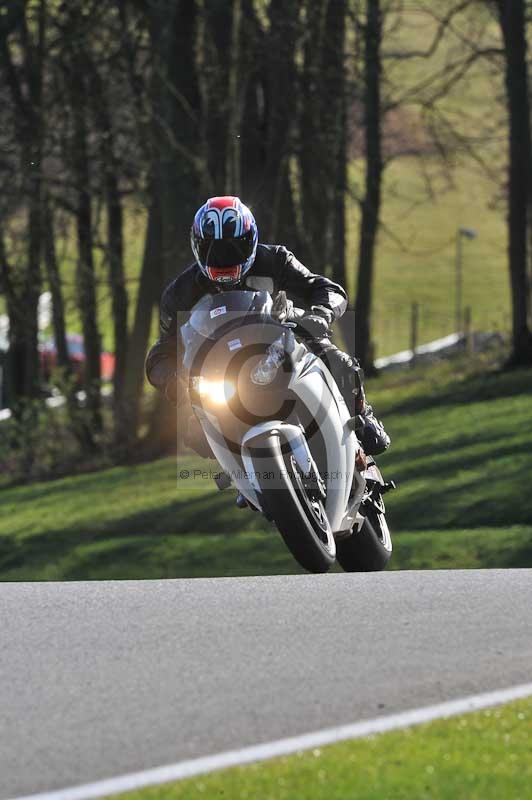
pixel 215 391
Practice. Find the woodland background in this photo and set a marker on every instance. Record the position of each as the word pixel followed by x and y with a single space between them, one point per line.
pixel 363 133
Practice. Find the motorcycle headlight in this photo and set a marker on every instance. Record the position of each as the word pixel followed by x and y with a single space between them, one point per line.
pixel 220 391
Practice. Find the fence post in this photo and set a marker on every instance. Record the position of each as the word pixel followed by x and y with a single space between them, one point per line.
pixel 414 326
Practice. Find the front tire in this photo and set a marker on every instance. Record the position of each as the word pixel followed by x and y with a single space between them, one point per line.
pixel 368 549
pixel 300 519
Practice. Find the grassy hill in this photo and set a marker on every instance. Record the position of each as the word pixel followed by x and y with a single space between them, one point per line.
pixel 461 454
pixel 423 268
pixel 444 170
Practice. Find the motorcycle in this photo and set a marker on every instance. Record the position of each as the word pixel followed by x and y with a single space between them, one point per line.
pixel 281 431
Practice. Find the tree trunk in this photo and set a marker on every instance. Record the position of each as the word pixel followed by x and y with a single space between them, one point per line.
pixel 75 65
pixel 118 287
pixel 235 100
pixel 337 86
pixel 512 21
pixel 147 299
pixel 315 161
pixel 115 243
pixel 217 58
pixel 372 198
pixel 253 75
pixel 173 35
pixel 33 283
pixel 26 95
pixel 14 373
pixel 178 172
pixel 85 272
pixel 54 282
pixel 78 421
pixel 273 195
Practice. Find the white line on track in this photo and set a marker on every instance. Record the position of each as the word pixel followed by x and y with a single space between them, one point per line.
pixel 283 747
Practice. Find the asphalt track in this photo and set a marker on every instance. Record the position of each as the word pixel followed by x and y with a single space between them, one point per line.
pixel 102 679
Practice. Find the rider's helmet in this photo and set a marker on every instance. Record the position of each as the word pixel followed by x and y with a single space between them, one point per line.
pixel 224 239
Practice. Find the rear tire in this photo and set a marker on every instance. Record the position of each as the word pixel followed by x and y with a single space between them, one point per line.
pixel 366 550
pixel 301 521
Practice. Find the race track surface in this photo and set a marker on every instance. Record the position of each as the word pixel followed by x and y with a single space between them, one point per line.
pixel 100 679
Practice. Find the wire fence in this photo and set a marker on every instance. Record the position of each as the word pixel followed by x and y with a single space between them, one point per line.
pixel 400 327
pixel 399 330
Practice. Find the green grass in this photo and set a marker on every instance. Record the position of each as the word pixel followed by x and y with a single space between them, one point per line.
pixel 132 522
pixel 482 756
pixel 464 447
pixel 426 199
pixel 424 272
pixel 461 454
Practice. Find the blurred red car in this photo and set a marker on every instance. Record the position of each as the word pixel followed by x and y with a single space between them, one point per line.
pixel 76 351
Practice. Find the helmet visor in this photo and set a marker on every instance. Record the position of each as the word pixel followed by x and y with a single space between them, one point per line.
pixel 225 252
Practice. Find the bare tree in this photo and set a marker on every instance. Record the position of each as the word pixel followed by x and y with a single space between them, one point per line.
pixel 178 168
pixel 112 170
pixel 274 195
pixel 371 202
pixel 22 52
pixel 511 15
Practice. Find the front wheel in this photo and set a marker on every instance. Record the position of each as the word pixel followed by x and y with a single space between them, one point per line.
pixel 368 549
pixel 292 504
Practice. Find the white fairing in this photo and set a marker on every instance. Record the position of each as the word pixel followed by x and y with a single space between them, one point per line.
pixel 313 384
pixel 328 408
pixel 325 452
pixel 243 479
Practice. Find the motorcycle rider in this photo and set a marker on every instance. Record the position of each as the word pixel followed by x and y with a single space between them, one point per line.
pixel 224 240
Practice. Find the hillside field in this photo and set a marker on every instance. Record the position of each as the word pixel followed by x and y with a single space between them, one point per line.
pixel 461 455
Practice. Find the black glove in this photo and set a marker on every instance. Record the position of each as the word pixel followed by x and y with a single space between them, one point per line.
pixel 315 325
pixel 282 308
pixel 176 390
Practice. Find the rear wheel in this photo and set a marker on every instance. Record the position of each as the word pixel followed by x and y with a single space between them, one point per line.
pixel 368 549
pixel 295 506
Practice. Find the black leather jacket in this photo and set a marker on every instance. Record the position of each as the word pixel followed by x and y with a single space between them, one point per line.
pixel 275 268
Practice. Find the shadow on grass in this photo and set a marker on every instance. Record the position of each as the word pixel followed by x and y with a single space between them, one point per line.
pixel 517 557
pixel 93 482
pixel 482 387
pixel 479 477
pixel 448 458
pixel 139 523
pixel 133 549
pixel 478 548
pixel 466 503
pixel 190 537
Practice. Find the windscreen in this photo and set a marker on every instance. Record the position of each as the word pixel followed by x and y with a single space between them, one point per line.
pixel 217 310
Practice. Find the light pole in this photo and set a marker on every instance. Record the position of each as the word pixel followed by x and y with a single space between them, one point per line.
pixel 461 233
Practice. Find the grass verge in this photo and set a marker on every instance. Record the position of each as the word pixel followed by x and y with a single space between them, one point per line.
pixel 486 755
pixel 461 454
